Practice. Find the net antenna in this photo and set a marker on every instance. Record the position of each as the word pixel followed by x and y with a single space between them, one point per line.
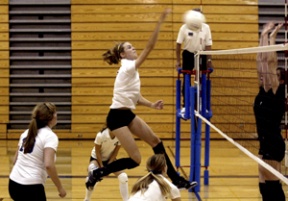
pixel 269 48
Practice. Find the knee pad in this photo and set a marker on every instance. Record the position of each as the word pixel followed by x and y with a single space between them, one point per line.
pixel 131 163
pixel 123 177
pixel 92 166
pixel 159 148
pixel 275 191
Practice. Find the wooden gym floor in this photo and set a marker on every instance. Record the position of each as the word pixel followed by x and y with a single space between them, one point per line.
pixel 233 176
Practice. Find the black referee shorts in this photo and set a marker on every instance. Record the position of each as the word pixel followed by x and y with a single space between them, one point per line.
pixel 188 61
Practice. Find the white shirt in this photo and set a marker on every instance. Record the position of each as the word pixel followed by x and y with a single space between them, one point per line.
pixel 153 193
pixel 126 86
pixel 30 168
pixel 194 41
pixel 107 144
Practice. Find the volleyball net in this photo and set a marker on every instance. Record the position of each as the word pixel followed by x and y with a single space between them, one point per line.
pixel 235 86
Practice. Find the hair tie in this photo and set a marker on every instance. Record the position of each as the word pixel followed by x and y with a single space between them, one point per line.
pixel 118 50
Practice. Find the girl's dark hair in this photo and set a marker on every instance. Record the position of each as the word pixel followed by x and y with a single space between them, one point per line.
pixel 156 164
pixel 42 114
pixel 112 56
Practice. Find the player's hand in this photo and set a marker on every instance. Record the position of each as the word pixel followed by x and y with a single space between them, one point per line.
pixel 166 12
pixel 158 105
pixel 267 27
pixel 210 65
pixel 62 192
pixel 178 65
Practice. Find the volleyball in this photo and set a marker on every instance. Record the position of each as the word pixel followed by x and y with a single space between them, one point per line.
pixel 193 20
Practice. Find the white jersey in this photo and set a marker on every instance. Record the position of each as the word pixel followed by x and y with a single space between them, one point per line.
pixel 107 144
pixel 194 41
pixel 153 193
pixel 30 168
pixel 126 86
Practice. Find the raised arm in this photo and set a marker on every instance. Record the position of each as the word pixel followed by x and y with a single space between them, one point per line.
pixel 273 60
pixel 152 40
pixel 267 62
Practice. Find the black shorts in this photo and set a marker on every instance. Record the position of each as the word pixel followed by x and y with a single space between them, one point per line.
pixel 19 192
pixel 188 61
pixel 272 149
pixel 118 118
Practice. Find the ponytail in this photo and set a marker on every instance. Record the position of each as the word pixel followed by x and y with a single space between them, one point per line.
pixel 156 165
pixel 113 56
pixel 143 183
pixel 42 114
pixel 30 139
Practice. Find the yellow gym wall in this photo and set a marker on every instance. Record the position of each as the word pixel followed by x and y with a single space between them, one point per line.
pixel 98 24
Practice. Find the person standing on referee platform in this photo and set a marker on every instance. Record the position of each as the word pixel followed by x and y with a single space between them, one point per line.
pixel 193 41
pixel 154 186
pixel 35 157
pixel 104 152
pixel 122 122
pixel 269 108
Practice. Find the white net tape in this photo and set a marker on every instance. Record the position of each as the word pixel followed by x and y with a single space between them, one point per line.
pixel 245 151
pixel 269 48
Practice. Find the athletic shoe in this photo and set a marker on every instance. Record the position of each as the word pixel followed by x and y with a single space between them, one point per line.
pixel 182 183
pixel 91 180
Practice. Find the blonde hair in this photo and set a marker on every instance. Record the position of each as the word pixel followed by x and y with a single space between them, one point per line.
pixel 42 114
pixel 156 165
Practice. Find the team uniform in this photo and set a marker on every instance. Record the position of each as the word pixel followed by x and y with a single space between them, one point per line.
pixel 125 95
pixel 153 193
pixel 29 174
pixel 107 145
pixel 192 42
pixel 269 109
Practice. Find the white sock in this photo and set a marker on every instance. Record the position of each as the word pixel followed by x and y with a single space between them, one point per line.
pixel 123 186
pixel 88 194
pixel 124 191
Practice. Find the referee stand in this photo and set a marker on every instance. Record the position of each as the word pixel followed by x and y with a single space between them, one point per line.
pixel 204 108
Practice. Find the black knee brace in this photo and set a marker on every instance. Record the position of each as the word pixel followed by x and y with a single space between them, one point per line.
pixel 275 191
pixel 121 164
pixel 115 166
pixel 159 148
pixel 263 191
pixel 171 172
